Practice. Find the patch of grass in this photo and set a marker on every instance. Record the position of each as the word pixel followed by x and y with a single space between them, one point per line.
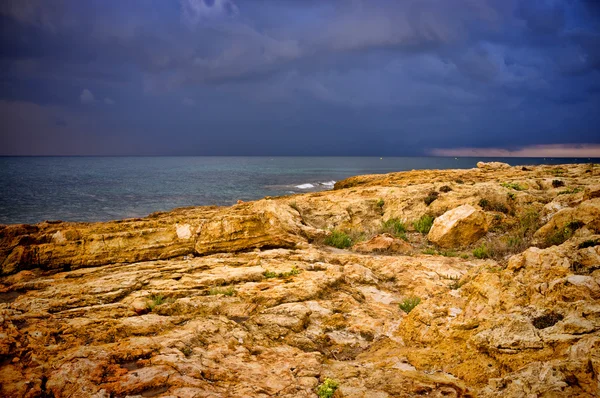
pixel 560 235
pixel 294 206
pixel 513 185
pixel 327 388
pixel 431 197
pixel 456 283
pixel 464 256
pixel 380 203
pixel 409 303
pixel 445 189
pixel 423 224
pixel 558 183
pixel 459 181
pixel 511 196
pixel 557 172
pixel 338 239
pixel 396 227
pixel 448 253
pixel 187 351
pixel 228 291
pixel 270 274
pixel 570 191
pixel 481 251
pixel 155 301
pixel 430 251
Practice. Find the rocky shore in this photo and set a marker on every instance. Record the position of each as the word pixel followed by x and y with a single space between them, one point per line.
pixel 445 283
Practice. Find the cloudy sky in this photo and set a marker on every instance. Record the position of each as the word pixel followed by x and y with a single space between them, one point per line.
pixel 299 77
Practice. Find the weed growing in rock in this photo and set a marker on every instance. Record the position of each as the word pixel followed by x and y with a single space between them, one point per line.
pixel 155 301
pixel 570 191
pixel 511 196
pixel 445 189
pixel 409 303
pixel 558 183
pixel 338 239
pixel 512 185
pixel 481 251
pixel 456 283
pixel 380 203
pixel 328 388
pixel 459 181
pixel 433 195
pixel 187 351
pixel 229 291
pixel 423 224
pixel 395 227
pixel 269 274
pixel 430 251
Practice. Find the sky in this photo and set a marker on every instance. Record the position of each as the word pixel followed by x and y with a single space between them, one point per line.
pixel 300 77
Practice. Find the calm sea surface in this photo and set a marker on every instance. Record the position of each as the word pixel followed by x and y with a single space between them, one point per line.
pixel 34 189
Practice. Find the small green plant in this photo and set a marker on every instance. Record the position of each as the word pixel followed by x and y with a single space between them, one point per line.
pixel 338 239
pixel 512 185
pixel 423 224
pixel 269 274
pixel 294 206
pixel 409 303
pixel 558 172
pixel 155 301
pixel 433 195
pixel 511 196
pixel 558 183
pixel 464 256
pixel 481 251
pixel 570 191
pixel 294 271
pixel 448 253
pixel 459 181
pixel 456 283
pixel 229 291
pixel 396 227
pixel 380 203
pixel 187 351
pixel 327 388
pixel 430 251
pixel 560 235
pixel 445 189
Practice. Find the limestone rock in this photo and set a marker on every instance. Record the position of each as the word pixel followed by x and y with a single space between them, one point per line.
pixel 586 214
pixel 383 243
pixel 458 227
pixel 493 165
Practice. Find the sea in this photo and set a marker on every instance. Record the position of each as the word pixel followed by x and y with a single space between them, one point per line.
pixel 35 189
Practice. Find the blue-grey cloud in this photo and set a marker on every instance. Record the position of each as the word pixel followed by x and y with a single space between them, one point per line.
pixel 262 76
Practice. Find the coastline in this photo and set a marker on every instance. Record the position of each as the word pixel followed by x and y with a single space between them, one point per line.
pixel 503 271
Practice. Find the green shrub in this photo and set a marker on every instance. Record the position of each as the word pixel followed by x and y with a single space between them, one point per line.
pixel 492 205
pixel 588 243
pixel 445 188
pixel 229 291
pixel 570 191
pixel 423 224
pixel 558 183
pixel 481 251
pixel 459 181
pixel 409 303
pixel 338 239
pixel 396 227
pixel 430 251
pixel 560 235
pixel 512 185
pixel 380 203
pixel 327 389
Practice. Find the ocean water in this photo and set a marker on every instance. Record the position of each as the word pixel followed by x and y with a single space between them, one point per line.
pixel 34 189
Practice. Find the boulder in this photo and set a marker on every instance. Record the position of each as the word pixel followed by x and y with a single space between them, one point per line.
pixel 587 214
pixel 493 165
pixel 458 227
pixel 383 243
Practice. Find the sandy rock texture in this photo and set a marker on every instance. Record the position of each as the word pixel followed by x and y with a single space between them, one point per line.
pixel 249 301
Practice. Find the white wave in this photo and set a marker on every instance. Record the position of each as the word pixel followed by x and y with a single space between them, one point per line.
pixel 305 186
pixel 328 183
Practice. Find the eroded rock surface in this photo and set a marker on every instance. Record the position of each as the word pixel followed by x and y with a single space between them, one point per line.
pixel 246 301
pixel 458 227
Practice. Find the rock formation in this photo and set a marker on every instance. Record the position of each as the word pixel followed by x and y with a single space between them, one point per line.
pixel 249 301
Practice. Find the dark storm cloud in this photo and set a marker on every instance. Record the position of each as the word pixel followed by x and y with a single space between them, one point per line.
pixel 297 77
